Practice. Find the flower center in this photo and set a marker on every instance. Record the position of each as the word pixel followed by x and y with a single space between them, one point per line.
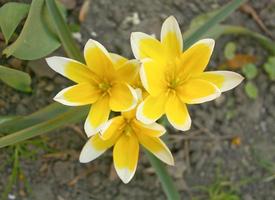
pixel 128 129
pixel 104 86
pixel 174 74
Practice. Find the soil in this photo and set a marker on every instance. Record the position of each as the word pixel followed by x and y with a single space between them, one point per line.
pixel 230 137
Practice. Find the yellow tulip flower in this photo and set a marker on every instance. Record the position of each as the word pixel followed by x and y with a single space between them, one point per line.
pixel 103 82
pixel 174 78
pixel 125 132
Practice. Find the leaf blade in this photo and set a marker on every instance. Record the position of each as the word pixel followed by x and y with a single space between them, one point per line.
pixel 35 40
pixel 214 20
pixel 16 79
pixel 14 11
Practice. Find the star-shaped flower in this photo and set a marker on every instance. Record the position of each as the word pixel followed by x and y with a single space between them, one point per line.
pixel 125 133
pixel 104 81
pixel 174 78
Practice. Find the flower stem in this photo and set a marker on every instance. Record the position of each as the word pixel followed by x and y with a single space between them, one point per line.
pixel 73 52
pixel 165 179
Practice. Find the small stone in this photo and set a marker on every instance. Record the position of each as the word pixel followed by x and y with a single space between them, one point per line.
pixel 49 87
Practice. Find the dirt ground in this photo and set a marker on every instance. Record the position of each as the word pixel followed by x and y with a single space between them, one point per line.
pixel 207 152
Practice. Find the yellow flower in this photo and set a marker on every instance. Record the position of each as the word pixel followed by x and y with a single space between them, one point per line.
pixel 102 82
pixel 174 78
pixel 125 133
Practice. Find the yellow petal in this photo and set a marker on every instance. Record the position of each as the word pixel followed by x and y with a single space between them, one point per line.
pixel 125 155
pixel 156 146
pixel 195 59
pixel 152 130
pixel 197 91
pixel 224 80
pixel 128 72
pixel 171 37
pixel 177 113
pixel 113 126
pixel 71 69
pixel 118 60
pixel 122 97
pixel 98 59
pixel 152 76
pixel 145 46
pixel 94 147
pixel 151 109
pixel 77 95
pixel 98 116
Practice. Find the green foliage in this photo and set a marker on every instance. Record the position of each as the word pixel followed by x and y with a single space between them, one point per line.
pixel 63 32
pixel 251 90
pixel 35 40
pixel 269 67
pixel 18 80
pixel 16 153
pixel 48 123
pixel 250 71
pixel 218 30
pixel 229 50
pixel 213 19
pixel 220 190
pixel 264 163
pixel 11 15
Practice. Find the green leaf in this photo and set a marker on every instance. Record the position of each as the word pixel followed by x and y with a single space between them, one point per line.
pixel 16 79
pixel 229 50
pixel 48 124
pixel 269 67
pixel 166 180
pixel 251 90
pixel 250 71
pixel 220 30
pixel 215 19
pixel 4 119
pixel 63 32
pixel 35 40
pixel 11 15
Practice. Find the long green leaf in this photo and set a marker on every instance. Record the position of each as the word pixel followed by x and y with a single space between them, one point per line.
pixel 72 116
pixel 46 113
pixel 35 40
pixel 211 22
pixel 238 30
pixel 63 32
pixel 16 79
pixel 165 179
pixel 11 15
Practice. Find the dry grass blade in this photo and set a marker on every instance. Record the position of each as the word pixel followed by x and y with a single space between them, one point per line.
pixel 83 174
pixel 246 8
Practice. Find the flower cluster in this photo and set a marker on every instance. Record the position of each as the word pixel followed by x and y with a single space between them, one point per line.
pixel 169 78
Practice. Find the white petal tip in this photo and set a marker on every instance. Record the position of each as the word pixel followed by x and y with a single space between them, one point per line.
pixel 165 156
pixel 88 153
pixel 90 130
pixel 182 127
pixel 60 98
pixel 233 79
pixel 57 63
pixel 125 175
pixel 207 41
pixel 171 20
